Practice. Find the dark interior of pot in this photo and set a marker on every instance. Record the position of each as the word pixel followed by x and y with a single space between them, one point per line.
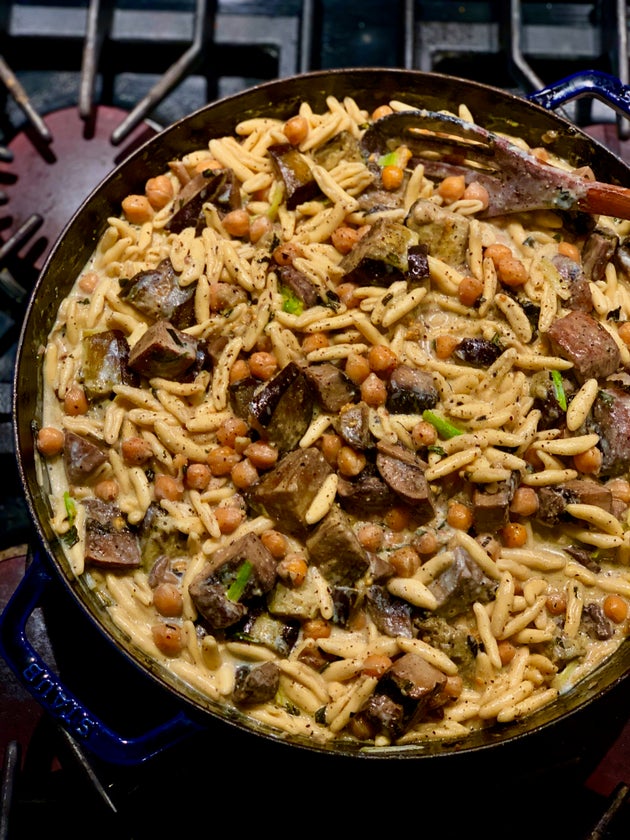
pixel 492 108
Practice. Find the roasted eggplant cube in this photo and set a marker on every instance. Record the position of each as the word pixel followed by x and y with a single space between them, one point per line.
pixel 403 472
pixel 105 363
pixel 81 458
pixel 410 391
pixel 109 542
pixel 256 683
pixel 273 633
pixel 285 493
pixel 299 183
pixel 163 351
pixel 282 410
pixel 460 585
pixel 380 257
pixel 157 294
pixel 334 548
pixel 216 187
pixel 241 571
pixel 333 389
pixel 405 693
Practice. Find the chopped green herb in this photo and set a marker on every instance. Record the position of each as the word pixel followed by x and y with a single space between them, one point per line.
pixel 240 581
pixel 558 389
pixel 70 538
pixel 437 450
pixel 291 302
pixel 277 194
pixel 390 159
pixel 71 508
pixel 443 427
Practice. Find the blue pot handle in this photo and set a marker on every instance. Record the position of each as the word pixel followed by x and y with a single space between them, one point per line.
pixel 593 83
pixel 60 703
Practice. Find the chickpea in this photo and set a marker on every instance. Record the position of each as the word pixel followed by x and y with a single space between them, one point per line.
pixel 236 223
pixel 314 341
pixel 168 638
pixel 346 292
pixel 444 346
pixel 292 569
pixel 497 252
pixel 382 359
pixel 556 603
pixel 244 474
pixel 381 111
pixel 316 628
pixel 167 487
pixel 159 191
pixel 50 441
pixel 350 462
pixel 263 365
pixel 370 535
pixel 426 544
pixel 514 535
pixel 452 188
pixel 423 434
pixel 275 543
pixel 221 459
pixel 167 600
pixel 524 501
pixel 620 489
pixel 262 455
pixel 588 462
pixel 75 402
pixel 568 249
pixel 258 227
pixel 357 368
pixel 477 192
pixel 136 451
pixel 392 177
pixel 239 371
pixel 512 272
pixel 228 517
pixel 615 608
pixel 296 130
pixel 507 651
pixel 405 560
pixel 137 209
pixel 459 516
pixel 623 331
pixel 533 458
pixel 344 238
pixel 453 686
pixel 331 445
pixel 285 254
pixel 207 165
pixel 197 476
pixel 376 664
pixel 230 430
pixel 89 282
pixel 470 290
pixel 107 489
pixel 397 518
pixel 373 390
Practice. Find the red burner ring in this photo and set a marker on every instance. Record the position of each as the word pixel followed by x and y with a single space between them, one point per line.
pixel 53 179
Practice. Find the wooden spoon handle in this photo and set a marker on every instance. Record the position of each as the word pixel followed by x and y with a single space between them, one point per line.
pixel 606 199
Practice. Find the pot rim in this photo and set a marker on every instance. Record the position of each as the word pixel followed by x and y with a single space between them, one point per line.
pixel 149 158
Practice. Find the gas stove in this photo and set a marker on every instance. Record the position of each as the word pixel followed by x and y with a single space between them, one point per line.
pixel 88 81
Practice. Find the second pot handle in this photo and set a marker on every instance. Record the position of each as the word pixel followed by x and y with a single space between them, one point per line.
pixel 47 688
pixel 593 83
